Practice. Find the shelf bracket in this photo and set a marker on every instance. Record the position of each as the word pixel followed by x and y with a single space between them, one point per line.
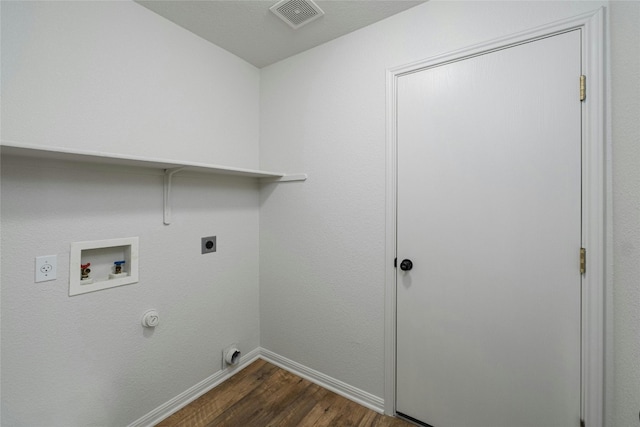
pixel 168 175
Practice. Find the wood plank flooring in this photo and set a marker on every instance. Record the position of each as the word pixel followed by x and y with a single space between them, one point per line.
pixel 264 395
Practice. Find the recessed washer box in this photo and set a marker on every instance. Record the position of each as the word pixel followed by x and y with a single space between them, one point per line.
pixel 101 255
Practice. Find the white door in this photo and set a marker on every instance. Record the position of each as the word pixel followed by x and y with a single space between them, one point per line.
pixel 489 213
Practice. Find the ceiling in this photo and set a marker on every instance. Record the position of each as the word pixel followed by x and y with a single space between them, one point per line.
pixel 248 29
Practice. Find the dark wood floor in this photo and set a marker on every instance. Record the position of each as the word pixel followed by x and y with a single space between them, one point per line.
pixel 264 395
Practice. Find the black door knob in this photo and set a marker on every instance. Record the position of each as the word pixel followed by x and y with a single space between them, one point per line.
pixel 406 265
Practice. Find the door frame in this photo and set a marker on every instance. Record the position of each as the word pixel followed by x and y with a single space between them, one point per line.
pixel 595 209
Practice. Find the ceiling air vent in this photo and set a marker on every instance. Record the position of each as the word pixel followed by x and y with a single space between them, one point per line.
pixel 297 13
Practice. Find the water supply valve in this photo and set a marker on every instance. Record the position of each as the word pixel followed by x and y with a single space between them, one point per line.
pixel 118 270
pixel 118 266
pixel 84 274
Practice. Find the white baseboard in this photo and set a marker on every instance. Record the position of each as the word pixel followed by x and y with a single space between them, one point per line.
pixel 343 389
pixel 188 396
pixel 183 399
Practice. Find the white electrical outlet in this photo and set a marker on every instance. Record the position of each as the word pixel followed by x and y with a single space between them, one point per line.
pixel 46 268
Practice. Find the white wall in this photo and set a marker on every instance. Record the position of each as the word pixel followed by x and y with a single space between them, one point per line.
pixel 322 244
pixel 113 76
pixel 86 360
pixel 624 400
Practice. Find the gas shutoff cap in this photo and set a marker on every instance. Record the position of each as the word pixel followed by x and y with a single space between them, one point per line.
pixel 150 319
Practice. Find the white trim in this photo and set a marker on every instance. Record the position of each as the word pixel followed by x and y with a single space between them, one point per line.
pixel 343 389
pixel 595 214
pixel 390 248
pixel 595 211
pixel 183 399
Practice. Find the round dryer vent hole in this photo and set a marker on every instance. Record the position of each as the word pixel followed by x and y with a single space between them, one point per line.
pixel 231 355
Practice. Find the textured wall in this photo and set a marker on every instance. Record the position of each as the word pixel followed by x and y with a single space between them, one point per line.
pixel 322 244
pixel 625 130
pixel 86 360
pixel 115 77
pixel 148 90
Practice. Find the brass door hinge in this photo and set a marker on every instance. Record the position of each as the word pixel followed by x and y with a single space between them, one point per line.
pixel 583 260
pixel 583 87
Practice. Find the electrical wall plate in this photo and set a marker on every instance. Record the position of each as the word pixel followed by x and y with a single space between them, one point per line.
pixel 46 268
pixel 208 244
